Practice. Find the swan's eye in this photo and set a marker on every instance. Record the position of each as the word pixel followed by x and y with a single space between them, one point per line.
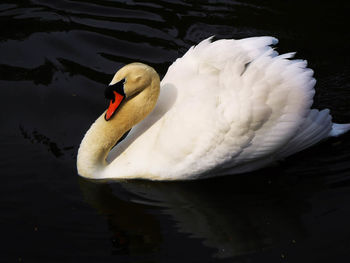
pixel 138 78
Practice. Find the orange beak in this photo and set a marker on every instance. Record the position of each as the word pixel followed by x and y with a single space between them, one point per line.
pixel 114 105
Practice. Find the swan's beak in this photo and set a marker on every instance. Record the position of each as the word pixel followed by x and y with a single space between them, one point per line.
pixel 115 93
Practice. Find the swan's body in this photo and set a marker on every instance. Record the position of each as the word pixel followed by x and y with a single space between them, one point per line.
pixel 225 107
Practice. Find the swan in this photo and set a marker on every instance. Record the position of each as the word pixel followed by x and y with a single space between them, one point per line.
pixel 225 107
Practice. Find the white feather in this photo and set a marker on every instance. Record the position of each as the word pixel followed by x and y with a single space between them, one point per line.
pixel 228 106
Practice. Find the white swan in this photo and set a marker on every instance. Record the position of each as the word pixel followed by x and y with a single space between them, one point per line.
pixel 225 107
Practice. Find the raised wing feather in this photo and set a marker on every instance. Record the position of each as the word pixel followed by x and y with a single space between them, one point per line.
pixel 259 101
pixel 230 106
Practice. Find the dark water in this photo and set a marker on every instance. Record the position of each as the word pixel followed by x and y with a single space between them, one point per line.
pixel 56 58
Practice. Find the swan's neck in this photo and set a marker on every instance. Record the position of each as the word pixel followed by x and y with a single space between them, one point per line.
pixel 97 143
pixel 103 135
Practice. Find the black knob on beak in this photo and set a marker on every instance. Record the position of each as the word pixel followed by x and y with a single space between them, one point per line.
pixel 118 87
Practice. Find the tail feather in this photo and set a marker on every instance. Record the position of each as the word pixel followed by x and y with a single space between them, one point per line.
pixel 317 126
pixel 338 129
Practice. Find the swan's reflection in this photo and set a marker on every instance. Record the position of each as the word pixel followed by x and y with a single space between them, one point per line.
pixel 233 215
pixel 133 229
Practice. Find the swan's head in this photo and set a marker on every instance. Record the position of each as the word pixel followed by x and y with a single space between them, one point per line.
pixel 129 81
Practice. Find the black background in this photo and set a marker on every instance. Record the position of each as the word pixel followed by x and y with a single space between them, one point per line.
pixel 56 57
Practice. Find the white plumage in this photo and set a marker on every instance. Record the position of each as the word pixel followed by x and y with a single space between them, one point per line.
pixel 225 107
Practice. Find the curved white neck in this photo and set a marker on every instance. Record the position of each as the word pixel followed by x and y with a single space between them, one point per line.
pixel 103 135
pixel 95 147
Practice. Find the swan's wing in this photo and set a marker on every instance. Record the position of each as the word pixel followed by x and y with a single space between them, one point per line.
pixel 279 100
pixel 238 102
pixel 226 107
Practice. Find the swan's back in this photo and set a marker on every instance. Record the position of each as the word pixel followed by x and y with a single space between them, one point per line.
pixel 227 106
